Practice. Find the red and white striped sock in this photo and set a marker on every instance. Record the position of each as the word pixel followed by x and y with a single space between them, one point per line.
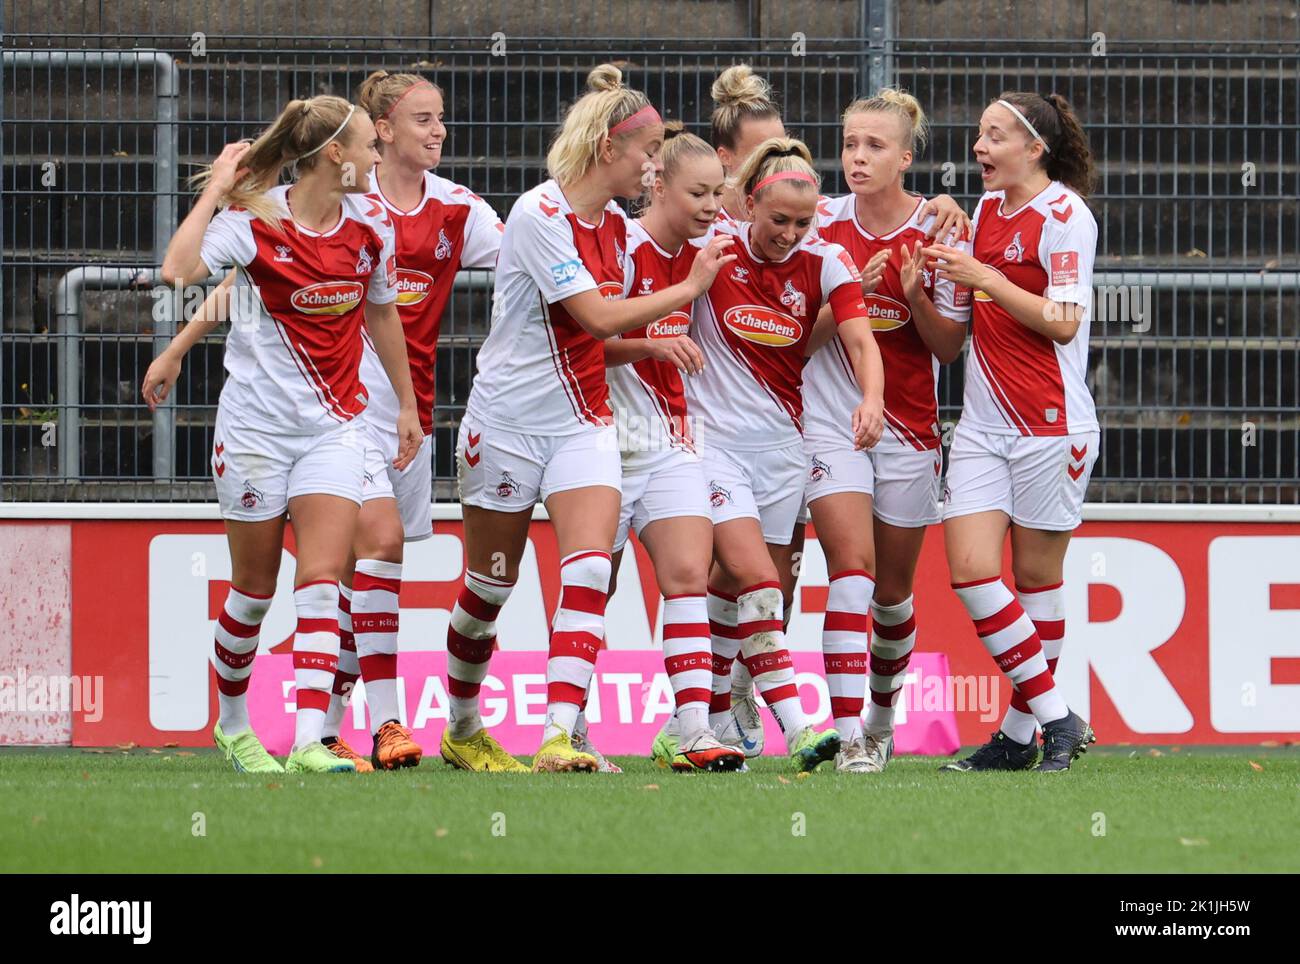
pixel 688 659
pixel 375 587
pixel 742 683
pixel 345 677
pixel 762 647
pixel 315 656
pixel 845 631
pixel 471 634
pixel 234 648
pixel 1046 607
pixel 892 641
pixel 724 644
pixel 576 633
pixel 1010 638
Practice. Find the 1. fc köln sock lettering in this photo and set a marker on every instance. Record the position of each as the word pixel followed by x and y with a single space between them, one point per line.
pixel 893 638
pixel 1046 607
pixel 576 633
pixel 235 646
pixel 315 656
pixel 375 588
pixel 724 641
pixel 471 634
pixel 688 659
pixel 844 647
pixel 1010 638
pixel 762 647
pixel 345 677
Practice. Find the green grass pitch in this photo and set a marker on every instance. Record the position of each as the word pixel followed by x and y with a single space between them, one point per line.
pixel 1120 809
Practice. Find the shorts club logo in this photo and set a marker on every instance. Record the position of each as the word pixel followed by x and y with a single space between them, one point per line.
pixel 763 326
pixel 820 470
pixel 252 496
pixel 718 496
pixel 328 297
pixel 507 486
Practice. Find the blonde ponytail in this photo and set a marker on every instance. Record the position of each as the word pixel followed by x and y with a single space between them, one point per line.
pixel 591 119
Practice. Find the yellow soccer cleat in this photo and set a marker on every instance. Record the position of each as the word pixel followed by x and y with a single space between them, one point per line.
pixel 557 755
pixel 479 753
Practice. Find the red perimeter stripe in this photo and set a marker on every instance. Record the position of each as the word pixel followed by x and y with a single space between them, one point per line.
pixel 250 595
pixel 582 645
pixel 724 632
pixel 476 605
pixel 461 689
pixel 234 660
pixel 345 604
pixel 1284 595
pixel 316 582
pixel 557 692
pixel 583 599
pixel 235 628
pixel 894 633
pixel 888 667
pixel 722 666
pixel 686 630
pixel 976 582
pixel 318 626
pixel 778 693
pixel 842 706
pixel 583 555
pixel 362 582
pixel 341 681
pixel 852 572
pixel 685 697
pixel 314 700
pixel 845 664
pixel 1036 685
pixel 721 595
pixel 1022 589
pixel 374 622
pixel 767 662
pixel 347 641
pixel 686 595
pixel 845 623
pixel 1284 671
pixel 685 662
pixel 1000 620
pixel 233 687
pixel 883 699
pixel 378 666
pixel 720 702
pixel 307 660
pixel 759 626
pixel 1050 628
pixel 467 649
pixel 1024 650
pixel 757 586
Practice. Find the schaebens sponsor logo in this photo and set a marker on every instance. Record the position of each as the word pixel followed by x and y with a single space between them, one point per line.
pixel 328 297
pixel 886 314
pixel 675 325
pixel 412 286
pixel 564 272
pixel 611 290
pixel 763 325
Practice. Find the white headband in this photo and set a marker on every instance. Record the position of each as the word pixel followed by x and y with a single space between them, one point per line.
pixel 353 108
pixel 1025 120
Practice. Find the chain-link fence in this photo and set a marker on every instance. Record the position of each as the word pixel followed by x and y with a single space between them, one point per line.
pixel 1193 109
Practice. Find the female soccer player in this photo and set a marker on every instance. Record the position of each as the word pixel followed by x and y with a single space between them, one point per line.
pixel 538 424
pixel 440 227
pixel 753 326
pixel 665 498
pixel 1028 435
pixel 918 324
pixel 319 259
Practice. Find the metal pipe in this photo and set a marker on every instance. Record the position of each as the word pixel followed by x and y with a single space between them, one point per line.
pixel 166 162
pixel 1201 280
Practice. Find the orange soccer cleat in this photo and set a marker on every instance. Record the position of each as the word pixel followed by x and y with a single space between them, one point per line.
pixel 340 748
pixel 394 747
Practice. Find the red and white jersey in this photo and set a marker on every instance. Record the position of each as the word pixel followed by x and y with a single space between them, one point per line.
pixel 752 326
pixel 1019 382
pixel 294 349
pixel 539 371
pixel 830 390
pixel 650 396
pixel 451 228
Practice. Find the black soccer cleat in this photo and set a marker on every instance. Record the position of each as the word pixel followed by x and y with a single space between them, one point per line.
pixel 1063 741
pixel 999 753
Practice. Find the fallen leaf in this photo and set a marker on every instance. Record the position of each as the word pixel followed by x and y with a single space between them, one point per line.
pixel 802 776
pixel 273 786
pixel 1175 749
pixel 171 744
pixel 651 786
pixel 1270 743
pixel 1255 766
pixel 440 832
pixel 782 779
pixel 317 862
pixel 125 746
pixel 1154 752
pixel 38 818
pixel 184 753
pixel 1193 841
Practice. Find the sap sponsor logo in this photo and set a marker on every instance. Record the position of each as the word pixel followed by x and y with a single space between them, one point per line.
pixel 566 271
pixel 611 290
pixel 412 286
pixel 763 326
pixel 133 918
pixel 328 297
pixel 885 313
pixel 675 325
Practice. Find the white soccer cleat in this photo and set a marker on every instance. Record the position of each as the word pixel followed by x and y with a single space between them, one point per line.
pixel 867 754
pixel 582 743
pixel 743 728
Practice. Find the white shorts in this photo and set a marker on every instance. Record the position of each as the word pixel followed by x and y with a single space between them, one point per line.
pixel 412 487
pixel 1038 480
pixel 767 486
pixel 902 481
pixel 508 472
pixel 672 487
pixel 257 473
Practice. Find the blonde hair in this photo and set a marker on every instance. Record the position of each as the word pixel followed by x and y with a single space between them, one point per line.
pixel 588 122
pixel 678 146
pixel 739 95
pixel 303 126
pixel 892 100
pixel 776 155
pixel 380 92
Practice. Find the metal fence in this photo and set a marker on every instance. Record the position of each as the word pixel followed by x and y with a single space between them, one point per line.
pixel 1193 110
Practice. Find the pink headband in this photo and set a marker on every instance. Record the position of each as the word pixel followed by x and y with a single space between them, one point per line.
pixel 646 116
pixel 784 176
pixel 423 83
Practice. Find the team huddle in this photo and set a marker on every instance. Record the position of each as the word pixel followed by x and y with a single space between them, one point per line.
pixel 743 355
